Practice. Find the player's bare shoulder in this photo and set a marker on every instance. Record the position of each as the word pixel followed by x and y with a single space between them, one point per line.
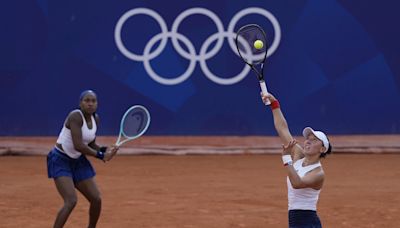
pixel 74 117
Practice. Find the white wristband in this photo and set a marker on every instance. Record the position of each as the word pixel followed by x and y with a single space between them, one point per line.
pixel 286 159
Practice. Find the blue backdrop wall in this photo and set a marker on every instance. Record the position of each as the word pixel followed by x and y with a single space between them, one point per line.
pixel 334 65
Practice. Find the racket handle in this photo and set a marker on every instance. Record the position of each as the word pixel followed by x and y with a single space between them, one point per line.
pixel 264 91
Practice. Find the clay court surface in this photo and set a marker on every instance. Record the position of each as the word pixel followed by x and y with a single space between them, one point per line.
pixel 205 191
pixel 206 187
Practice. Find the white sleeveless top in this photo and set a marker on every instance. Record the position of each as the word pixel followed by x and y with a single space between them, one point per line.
pixel 304 198
pixel 65 138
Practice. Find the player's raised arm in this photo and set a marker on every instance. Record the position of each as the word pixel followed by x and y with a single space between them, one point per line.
pixel 281 125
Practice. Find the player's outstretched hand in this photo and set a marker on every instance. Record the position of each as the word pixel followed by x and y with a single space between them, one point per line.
pixel 266 97
pixel 287 149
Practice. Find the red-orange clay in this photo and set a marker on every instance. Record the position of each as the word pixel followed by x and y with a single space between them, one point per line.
pixel 204 191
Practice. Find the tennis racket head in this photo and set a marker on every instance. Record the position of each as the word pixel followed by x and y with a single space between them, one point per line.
pixel 246 36
pixel 134 123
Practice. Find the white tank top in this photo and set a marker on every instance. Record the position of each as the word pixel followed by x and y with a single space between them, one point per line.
pixel 65 138
pixel 304 198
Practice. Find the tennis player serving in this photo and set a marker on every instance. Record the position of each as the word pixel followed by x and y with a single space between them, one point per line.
pixel 67 162
pixel 305 174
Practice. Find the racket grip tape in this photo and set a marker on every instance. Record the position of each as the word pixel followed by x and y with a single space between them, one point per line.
pixel 264 91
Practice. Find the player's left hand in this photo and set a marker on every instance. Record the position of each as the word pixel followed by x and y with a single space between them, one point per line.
pixel 111 153
pixel 287 149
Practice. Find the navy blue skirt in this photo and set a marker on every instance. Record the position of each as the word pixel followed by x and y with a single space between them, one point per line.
pixel 60 164
pixel 304 219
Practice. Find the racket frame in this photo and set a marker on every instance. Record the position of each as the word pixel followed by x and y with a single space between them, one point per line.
pixel 121 131
pixel 259 73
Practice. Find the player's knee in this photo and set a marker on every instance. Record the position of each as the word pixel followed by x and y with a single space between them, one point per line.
pixel 70 202
pixel 96 200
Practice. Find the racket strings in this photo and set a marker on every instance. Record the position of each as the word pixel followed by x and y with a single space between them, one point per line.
pixel 245 39
pixel 135 122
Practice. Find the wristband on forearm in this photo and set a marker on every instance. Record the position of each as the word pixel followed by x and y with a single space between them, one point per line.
pixel 274 105
pixel 287 160
pixel 100 155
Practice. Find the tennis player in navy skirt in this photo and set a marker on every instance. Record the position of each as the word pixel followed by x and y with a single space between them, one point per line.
pixel 67 163
pixel 305 174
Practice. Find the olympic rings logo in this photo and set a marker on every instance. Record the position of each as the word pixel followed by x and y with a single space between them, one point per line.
pixel 192 56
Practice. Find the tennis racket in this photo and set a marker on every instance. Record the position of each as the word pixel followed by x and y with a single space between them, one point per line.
pixel 246 39
pixel 134 124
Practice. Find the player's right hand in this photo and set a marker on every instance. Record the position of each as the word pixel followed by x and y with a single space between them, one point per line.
pixel 266 97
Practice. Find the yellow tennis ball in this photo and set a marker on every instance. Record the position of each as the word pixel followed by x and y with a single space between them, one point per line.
pixel 258 44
